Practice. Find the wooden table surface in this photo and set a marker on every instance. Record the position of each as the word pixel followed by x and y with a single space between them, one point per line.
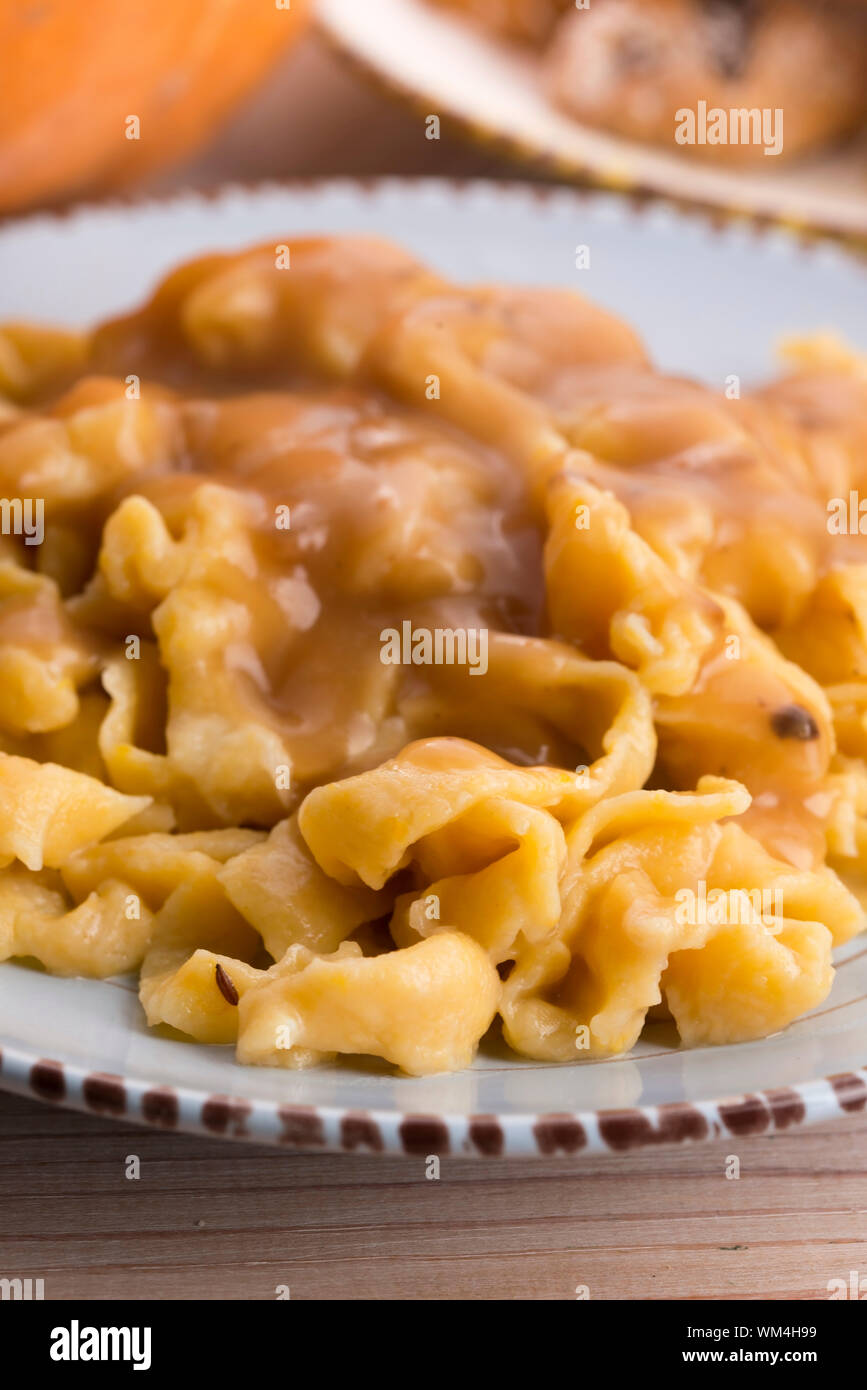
pixel 207 1219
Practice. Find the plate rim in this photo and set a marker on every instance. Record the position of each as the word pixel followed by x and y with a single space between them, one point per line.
pixel 414 1134
pixel 634 200
pixel 402 1132
pixel 558 165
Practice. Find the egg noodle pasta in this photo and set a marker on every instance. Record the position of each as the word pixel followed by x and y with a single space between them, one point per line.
pixel 381 658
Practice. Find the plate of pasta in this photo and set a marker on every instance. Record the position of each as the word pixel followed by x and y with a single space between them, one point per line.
pixel 433 669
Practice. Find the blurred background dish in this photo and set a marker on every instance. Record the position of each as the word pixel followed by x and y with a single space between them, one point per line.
pixel 592 94
pixel 629 67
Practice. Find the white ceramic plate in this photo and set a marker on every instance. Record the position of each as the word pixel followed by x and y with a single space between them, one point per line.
pixel 495 93
pixel 710 303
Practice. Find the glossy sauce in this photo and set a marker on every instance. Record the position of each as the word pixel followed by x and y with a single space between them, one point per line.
pixel 294 390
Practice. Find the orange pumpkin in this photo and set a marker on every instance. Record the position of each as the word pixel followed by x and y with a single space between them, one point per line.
pixel 73 74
